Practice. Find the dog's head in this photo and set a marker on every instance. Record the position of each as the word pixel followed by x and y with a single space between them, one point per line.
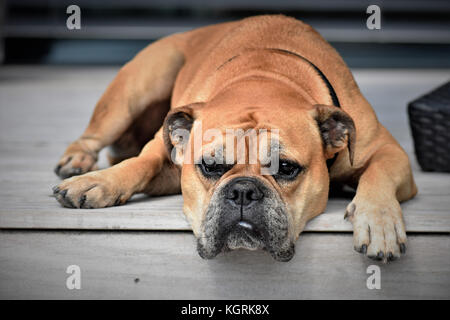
pixel 254 174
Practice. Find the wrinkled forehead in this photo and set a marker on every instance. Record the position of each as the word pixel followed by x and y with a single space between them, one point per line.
pixel 246 142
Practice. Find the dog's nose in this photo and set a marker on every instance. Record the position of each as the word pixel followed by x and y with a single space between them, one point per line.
pixel 243 192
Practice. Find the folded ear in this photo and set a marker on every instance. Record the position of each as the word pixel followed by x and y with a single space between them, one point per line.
pixel 176 130
pixel 337 130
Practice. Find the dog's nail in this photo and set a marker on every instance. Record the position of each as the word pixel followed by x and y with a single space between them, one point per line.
pixel 63 193
pixel 390 256
pixel 380 255
pixel 82 200
pixel 364 249
pixel 402 248
pixel 350 210
pixel 68 203
pixel 55 189
pixel 57 168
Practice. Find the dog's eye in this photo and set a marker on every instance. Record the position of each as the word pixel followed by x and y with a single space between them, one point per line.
pixel 288 170
pixel 213 169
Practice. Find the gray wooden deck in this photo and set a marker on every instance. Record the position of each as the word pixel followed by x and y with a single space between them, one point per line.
pixel 42 109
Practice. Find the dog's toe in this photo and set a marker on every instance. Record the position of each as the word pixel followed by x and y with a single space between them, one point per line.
pixel 378 232
pixel 87 192
pixel 63 199
pixel 75 164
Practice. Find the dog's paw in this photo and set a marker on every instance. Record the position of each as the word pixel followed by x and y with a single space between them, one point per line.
pixel 75 161
pixel 378 230
pixel 91 190
pixel 75 164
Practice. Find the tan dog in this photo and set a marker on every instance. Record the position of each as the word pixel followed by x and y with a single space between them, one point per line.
pixel 266 72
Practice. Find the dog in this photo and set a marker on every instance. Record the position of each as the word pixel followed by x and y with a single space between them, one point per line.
pixel 266 73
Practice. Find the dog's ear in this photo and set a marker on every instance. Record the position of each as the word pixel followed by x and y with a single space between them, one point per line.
pixel 337 130
pixel 176 130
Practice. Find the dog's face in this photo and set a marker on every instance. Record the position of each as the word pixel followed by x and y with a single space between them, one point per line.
pixel 237 195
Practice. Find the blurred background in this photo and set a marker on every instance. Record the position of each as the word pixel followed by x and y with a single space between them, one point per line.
pixel 414 33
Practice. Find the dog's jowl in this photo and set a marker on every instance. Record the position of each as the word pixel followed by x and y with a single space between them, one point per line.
pixel 171 115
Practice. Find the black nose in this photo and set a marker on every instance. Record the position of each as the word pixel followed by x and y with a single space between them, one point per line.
pixel 243 192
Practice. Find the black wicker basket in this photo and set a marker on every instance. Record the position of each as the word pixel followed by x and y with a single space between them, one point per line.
pixel 429 117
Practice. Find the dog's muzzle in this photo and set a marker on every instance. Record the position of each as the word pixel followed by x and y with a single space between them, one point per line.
pixel 245 213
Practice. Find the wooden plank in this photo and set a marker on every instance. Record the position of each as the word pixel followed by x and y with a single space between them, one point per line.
pixel 165 213
pixel 25 195
pixel 36 127
pixel 33 266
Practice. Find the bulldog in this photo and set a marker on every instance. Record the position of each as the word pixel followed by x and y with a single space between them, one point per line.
pixel 273 76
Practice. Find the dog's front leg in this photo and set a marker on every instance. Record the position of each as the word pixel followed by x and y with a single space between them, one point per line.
pixel 143 82
pixel 115 185
pixel 378 227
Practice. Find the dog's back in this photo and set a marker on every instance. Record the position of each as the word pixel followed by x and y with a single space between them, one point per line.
pixel 206 48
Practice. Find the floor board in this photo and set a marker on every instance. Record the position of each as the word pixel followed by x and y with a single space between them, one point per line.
pixel 33 266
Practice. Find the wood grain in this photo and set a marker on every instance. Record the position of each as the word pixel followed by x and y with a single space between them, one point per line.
pixel 33 266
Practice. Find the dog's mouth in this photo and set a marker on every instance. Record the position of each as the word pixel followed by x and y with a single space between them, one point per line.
pixel 245 235
pixel 244 213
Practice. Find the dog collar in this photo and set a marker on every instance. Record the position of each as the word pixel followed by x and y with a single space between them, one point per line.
pixel 331 91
